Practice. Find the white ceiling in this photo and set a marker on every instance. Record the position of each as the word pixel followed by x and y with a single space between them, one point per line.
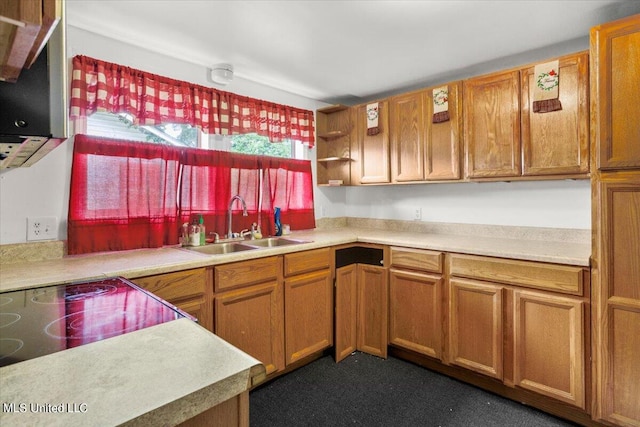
pixel 344 50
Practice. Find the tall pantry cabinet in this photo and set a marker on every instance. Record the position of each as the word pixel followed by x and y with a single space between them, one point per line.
pixel 615 184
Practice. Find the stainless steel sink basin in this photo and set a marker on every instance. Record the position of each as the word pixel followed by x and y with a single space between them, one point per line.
pixel 222 248
pixel 244 245
pixel 272 242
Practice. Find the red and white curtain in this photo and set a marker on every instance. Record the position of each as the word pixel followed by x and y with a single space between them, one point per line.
pixel 151 99
pixel 131 195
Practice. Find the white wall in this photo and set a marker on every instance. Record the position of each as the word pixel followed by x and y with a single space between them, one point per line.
pixel 557 204
pixel 43 189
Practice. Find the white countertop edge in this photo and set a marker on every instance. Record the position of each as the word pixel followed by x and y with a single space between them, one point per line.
pixel 178 368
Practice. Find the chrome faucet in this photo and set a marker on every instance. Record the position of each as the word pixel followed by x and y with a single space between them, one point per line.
pixel 244 213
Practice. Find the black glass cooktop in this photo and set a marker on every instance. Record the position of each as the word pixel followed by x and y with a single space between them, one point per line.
pixel 39 321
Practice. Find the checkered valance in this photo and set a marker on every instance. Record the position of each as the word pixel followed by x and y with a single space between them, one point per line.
pixel 151 99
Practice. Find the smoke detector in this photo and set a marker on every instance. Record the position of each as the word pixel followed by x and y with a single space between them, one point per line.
pixel 222 74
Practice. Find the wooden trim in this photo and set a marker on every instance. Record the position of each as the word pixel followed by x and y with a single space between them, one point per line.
pixel 243 273
pixel 304 262
pixel 416 259
pixel 552 277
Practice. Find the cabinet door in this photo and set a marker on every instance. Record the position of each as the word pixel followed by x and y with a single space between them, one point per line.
pixel 373 307
pixel 492 125
pixel 615 59
pixel 443 141
pixel 616 319
pixel 251 319
pixel 549 346
pixel 407 133
pixel 346 311
pixel 308 311
pixel 476 333
pixel 558 142
pixel 372 163
pixel 415 316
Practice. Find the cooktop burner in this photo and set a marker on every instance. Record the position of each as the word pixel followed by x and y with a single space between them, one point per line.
pixel 39 321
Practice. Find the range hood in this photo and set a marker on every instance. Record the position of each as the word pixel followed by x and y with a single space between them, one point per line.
pixel 33 109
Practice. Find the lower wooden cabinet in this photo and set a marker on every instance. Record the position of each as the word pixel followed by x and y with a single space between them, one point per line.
pixel 188 290
pixel 361 306
pixel 251 319
pixel 549 345
pixel 346 311
pixel 531 339
pixel 415 300
pixel 308 304
pixel 476 326
pixel 249 309
pixel 373 303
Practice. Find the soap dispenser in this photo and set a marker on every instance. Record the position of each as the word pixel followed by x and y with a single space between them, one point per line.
pixel 276 220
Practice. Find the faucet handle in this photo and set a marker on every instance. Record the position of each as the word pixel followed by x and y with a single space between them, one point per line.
pixel 216 238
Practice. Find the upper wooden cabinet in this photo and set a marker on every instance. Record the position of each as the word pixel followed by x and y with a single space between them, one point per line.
pixel 443 141
pixel 505 138
pixel 333 145
pixel 492 125
pixel 557 143
pixel 371 157
pixel 615 64
pixel 420 149
pixel 407 136
pixel 25 28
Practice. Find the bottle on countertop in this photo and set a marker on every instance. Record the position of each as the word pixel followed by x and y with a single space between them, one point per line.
pixel 276 220
pixel 203 234
pixel 184 235
pixel 194 234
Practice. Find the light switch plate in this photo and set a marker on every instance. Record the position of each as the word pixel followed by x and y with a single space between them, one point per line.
pixel 42 228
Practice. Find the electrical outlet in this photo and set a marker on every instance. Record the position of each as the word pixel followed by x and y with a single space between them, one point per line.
pixel 42 228
pixel 417 214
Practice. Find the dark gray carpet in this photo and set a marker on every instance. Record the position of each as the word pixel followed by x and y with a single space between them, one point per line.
pixel 368 391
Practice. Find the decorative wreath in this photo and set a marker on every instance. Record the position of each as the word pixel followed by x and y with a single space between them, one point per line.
pixel 547 81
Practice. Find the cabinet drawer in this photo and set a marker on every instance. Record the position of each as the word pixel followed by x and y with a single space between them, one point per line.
pixel 417 259
pixel 175 286
pixel 553 277
pixel 244 273
pixel 302 262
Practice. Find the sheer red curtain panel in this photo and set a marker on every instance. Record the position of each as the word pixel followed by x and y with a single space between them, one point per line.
pixel 123 195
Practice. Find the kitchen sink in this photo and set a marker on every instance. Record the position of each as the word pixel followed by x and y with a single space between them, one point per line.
pixel 272 242
pixel 222 248
pixel 244 245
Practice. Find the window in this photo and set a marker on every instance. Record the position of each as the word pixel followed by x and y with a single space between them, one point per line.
pixel 121 126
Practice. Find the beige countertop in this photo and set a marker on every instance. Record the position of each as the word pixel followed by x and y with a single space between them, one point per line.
pixel 144 262
pixel 160 375
pixel 178 369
